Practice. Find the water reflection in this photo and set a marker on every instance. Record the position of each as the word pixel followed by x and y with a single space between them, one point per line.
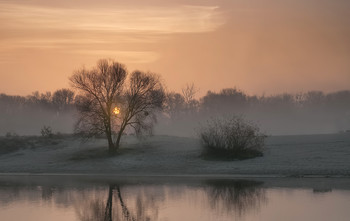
pixel 229 196
pixel 170 199
pixel 115 207
pixel 240 196
pixel 322 190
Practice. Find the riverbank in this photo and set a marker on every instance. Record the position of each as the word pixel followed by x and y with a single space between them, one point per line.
pixel 284 156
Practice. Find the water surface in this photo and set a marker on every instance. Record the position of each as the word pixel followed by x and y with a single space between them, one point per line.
pixel 155 198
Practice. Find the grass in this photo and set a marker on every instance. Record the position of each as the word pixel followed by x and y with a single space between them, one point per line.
pixel 220 154
pixel 98 153
pixel 102 153
pixel 15 143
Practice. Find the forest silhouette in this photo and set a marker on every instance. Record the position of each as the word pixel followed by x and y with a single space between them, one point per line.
pixel 303 113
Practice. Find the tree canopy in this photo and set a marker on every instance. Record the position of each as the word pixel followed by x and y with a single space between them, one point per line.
pixel 109 105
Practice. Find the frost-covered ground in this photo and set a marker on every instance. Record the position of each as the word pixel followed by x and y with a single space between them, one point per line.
pixel 165 155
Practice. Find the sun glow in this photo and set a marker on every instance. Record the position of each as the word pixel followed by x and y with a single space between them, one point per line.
pixel 116 110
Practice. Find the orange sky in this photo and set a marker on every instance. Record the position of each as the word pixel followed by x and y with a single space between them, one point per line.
pixel 259 46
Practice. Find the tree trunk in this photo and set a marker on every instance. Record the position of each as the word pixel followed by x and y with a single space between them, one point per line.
pixel 117 143
pixel 111 147
pixel 108 129
pixel 118 140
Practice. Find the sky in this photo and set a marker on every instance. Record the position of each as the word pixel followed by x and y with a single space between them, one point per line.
pixel 258 46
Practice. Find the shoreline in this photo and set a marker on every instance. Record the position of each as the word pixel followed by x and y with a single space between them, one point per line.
pixel 214 176
pixel 317 184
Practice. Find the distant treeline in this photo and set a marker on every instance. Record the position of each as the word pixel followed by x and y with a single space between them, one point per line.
pixel 301 113
pixel 26 115
pixel 311 112
pixel 59 100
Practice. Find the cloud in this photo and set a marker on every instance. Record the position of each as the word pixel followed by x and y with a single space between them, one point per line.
pixel 118 30
pixel 175 19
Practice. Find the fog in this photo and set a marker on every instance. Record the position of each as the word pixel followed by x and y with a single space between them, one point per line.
pixel 28 115
pixel 283 114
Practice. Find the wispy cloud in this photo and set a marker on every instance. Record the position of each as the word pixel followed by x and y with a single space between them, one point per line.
pixel 106 31
pixel 180 19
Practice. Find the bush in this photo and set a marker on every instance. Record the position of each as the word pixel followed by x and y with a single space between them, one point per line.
pixel 11 135
pixel 231 138
pixel 46 131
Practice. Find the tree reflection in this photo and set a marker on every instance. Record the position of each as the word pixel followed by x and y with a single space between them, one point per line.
pixel 143 202
pixel 108 210
pixel 239 196
pixel 142 208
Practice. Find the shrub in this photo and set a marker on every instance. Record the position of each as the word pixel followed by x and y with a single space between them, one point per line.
pixel 231 138
pixel 46 131
pixel 11 135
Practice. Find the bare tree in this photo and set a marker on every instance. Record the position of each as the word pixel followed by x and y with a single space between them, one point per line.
pixel 99 88
pixel 188 92
pixel 63 97
pixel 107 106
pixel 175 105
pixel 144 96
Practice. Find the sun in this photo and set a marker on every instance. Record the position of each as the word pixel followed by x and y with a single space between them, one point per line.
pixel 116 110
